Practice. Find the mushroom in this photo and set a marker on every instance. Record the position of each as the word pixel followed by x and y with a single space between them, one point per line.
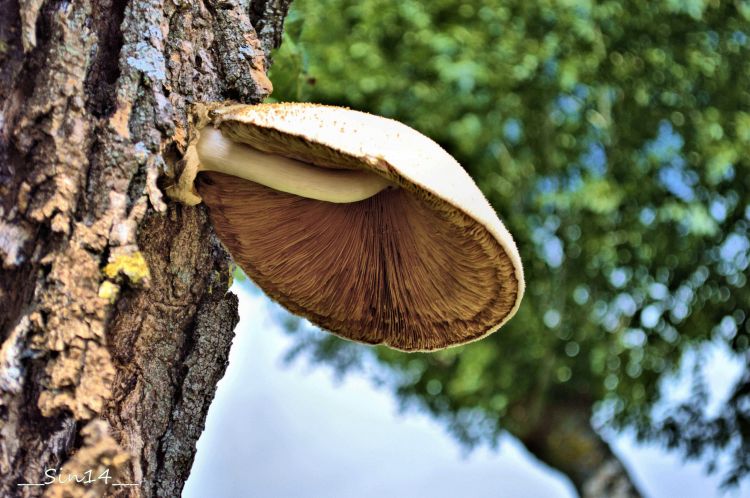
pixel 358 223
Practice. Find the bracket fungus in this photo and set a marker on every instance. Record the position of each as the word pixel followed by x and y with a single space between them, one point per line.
pixel 356 222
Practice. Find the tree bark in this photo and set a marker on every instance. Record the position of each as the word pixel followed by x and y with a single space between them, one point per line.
pixel 116 322
pixel 564 439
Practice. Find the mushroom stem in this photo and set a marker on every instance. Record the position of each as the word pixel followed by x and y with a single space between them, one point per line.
pixel 218 153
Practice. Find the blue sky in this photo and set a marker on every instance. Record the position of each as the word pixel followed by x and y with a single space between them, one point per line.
pixel 279 431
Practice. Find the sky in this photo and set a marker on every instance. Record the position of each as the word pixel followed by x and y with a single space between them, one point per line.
pixel 284 430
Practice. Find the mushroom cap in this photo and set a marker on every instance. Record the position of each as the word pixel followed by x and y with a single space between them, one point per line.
pixel 421 267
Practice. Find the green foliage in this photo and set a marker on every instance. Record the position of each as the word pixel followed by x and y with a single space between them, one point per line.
pixel 613 138
pixel 289 68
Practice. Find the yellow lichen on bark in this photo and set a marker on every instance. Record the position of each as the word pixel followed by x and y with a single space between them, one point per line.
pixel 131 265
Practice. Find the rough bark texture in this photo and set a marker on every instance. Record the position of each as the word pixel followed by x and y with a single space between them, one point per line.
pixel 564 439
pixel 116 322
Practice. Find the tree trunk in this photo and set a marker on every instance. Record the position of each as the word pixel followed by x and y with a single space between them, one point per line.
pixel 116 322
pixel 564 439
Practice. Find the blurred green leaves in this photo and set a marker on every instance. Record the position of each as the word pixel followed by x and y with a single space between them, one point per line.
pixel 288 72
pixel 613 138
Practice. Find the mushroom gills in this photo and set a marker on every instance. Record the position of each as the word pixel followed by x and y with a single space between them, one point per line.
pixel 220 154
